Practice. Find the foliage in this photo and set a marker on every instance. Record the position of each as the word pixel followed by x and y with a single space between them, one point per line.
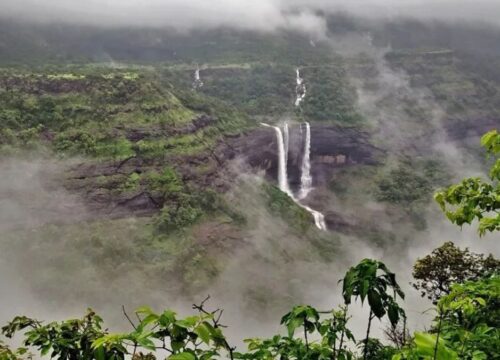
pixel 281 204
pixel 426 346
pixel 183 203
pixel 376 350
pixel 448 264
pixel 362 281
pixel 474 199
pixel 65 340
pixel 108 114
pixel 471 318
pixel 179 215
pixel 331 332
pixel 190 338
pixel 410 182
pixel 258 90
pixel 330 96
pixel 467 326
pixel 7 354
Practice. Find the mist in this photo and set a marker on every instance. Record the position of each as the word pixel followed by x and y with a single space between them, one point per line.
pixel 54 266
pixel 263 15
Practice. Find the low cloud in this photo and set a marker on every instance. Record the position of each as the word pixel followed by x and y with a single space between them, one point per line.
pixel 264 15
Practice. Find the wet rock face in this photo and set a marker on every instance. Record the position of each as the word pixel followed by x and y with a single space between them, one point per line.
pixel 331 147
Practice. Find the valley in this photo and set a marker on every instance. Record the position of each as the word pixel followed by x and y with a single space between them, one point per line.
pixel 156 167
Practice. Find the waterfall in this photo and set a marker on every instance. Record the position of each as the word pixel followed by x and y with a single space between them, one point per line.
pixel 319 218
pixel 286 139
pixel 305 176
pixel 282 162
pixel 300 89
pixel 197 83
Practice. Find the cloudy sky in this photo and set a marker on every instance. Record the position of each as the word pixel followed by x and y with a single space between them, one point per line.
pixel 246 14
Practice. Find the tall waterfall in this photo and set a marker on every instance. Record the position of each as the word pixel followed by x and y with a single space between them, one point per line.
pixel 300 89
pixel 319 218
pixel 305 176
pixel 286 139
pixel 282 161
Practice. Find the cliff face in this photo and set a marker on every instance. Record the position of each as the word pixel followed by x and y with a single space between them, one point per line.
pixel 331 147
pixel 109 188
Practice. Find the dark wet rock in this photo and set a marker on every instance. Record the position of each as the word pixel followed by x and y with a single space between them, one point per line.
pixel 331 147
pixel 337 222
pixel 101 184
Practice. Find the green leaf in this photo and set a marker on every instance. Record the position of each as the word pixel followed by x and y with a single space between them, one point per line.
pixel 99 353
pixel 375 303
pixel 292 325
pixel 393 313
pixel 426 343
pixel 144 310
pixel 167 318
pixel 182 356
pixel 204 332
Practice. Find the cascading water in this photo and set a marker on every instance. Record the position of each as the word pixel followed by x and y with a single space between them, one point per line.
pixel 286 139
pixel 305 177
pixel 197 80
pixel 300 89
pixel 319 218
pixel 282 162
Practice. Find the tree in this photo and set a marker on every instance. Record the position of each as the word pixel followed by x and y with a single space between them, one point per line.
pixel 7 354
pixel 66 340
pixel 329 335
pixel 363 281
pixel 471 318
pixel 448 264
pixel 473 199
pixel 468 321
pixel 305 316
pixel 197 337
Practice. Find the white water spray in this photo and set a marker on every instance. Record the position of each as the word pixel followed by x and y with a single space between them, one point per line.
pixel 300 89
pixel 305 176
pixel 282 171
pixel 319 218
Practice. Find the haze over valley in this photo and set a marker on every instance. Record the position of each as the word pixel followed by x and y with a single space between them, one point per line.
pixel 153 153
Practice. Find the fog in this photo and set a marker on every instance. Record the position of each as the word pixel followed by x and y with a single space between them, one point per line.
pixel 265 15
pixel 272 262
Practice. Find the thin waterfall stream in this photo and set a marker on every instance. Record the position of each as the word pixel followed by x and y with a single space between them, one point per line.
pixel 305 177
pixel 300 88
pixel 197 83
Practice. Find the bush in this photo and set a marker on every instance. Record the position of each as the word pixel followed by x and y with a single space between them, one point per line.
pixel 282 205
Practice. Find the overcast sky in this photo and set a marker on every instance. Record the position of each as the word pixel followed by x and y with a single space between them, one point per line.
pixel 246 14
